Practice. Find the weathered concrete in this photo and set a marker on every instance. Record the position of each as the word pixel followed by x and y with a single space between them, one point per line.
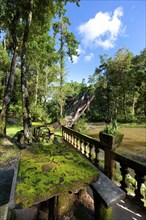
pixel 6 178
pixel 4 212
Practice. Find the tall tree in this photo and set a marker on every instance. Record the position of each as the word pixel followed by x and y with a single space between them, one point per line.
pixel 9 22
pixel 67 46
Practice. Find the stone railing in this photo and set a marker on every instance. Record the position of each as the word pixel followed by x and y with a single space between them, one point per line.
pixel 91 148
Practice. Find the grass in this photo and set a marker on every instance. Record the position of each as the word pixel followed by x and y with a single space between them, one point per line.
pixel 133 125
pixel 13 129
pixel 7 149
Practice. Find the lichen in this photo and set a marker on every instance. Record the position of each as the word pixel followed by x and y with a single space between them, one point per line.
pixel 49 169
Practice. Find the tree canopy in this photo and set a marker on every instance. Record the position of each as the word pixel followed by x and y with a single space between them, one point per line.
pixel 35 44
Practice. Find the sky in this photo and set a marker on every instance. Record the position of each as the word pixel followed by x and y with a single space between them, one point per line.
pixel 103 27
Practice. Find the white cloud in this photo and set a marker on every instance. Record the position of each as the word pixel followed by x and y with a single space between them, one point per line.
pixel 76 58
pixel 89 57
pixel 102 30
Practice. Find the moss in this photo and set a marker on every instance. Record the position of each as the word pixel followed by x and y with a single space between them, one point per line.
pixel 50 169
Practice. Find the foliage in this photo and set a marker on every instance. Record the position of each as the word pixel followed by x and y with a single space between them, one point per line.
pixel 119 82
pixel 111 128
pixel 39 114
pixel 81 125
pixel 120 87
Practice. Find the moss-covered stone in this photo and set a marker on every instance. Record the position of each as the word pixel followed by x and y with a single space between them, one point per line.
pixel 50 169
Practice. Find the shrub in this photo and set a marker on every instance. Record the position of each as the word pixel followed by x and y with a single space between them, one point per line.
pixel 81 125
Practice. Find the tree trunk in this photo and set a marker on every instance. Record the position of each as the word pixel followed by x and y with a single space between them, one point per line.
pixel 36 91
pixel 10 81
pixel 145 104
pixel 78 108
pixel 27 125
pixel 62 55
pixel 7 95
pixel 46 89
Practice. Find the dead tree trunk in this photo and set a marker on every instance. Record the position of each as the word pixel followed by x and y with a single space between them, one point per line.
pixel 78 108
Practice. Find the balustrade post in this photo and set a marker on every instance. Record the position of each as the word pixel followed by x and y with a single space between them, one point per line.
pixel 90 151
pixel 124 172
pixel 109 163
pixel 75 142
pixel 138 196
pixel 85 149
pixel 101 212
pixel 79 144
pixel 72 139
pixel 82 147
pixel 96 161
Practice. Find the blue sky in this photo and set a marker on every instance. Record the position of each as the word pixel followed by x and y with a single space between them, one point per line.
pixel 102 27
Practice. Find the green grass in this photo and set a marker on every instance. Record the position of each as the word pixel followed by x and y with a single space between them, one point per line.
pixel 58 133
pixel 13 129
pixel 133 125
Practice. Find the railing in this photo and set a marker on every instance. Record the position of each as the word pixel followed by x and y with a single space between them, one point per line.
pixel 91 148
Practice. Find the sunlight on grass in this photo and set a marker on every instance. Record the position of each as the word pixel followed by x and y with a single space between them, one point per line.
pixel 58 133
pixel 13 129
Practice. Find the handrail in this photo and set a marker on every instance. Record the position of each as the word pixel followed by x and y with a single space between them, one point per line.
pixel 90 148
pixel 85 137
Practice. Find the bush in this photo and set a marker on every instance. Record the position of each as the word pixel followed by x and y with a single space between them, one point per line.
pixel 81 126
pixel 39 114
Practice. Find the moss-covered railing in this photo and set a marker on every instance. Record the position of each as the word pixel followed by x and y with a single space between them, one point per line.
pixel 113 159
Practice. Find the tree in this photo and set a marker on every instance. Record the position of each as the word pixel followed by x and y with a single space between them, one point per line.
pixel 9 22
pixel 120 87
pixel 4 69
pixel 67 46
pixel 19 19
pixel 139 70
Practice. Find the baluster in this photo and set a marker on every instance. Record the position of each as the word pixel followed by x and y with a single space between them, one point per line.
pixel 86 149
pixel 79 144
pixel 138 196
pixel 72 139
pixel 82 146
pixel 93 154
pixel 69 138
pixel 124 172
pixel 96 161
pixel 75 141
pixel 66 136
pixel 90 151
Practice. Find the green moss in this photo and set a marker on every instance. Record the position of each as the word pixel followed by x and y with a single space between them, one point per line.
pixel 50 169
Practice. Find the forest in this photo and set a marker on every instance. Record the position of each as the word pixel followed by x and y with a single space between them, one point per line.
pixel 34 46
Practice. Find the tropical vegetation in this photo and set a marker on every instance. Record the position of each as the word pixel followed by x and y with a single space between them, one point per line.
pixel 35 43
